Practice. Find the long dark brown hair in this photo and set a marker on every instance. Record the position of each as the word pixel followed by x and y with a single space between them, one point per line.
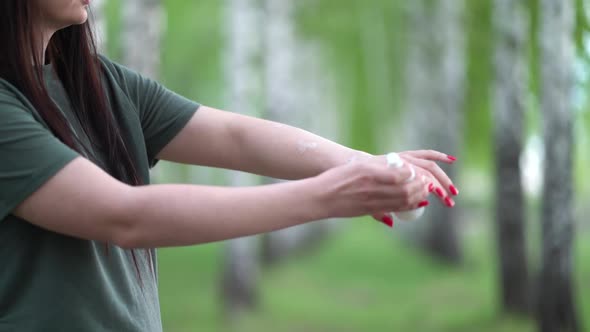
pixel 73 55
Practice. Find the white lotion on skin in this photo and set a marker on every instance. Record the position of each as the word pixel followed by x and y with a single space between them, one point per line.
pixel 394 160
pixel 303 146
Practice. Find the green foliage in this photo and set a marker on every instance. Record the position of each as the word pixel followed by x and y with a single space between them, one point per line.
pixel 366 47
pixel 189 284
pixel 112 9
pixel 582 28
pixel 534 70
pixel 478 129
pixel 192 51
pixel 191 48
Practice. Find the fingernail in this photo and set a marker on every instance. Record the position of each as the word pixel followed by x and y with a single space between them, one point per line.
pixel 423 203
pixel 449 202
pixel 387 220
pixel 453 190
pixel 431 187
pixel 439 192
pixel 452 158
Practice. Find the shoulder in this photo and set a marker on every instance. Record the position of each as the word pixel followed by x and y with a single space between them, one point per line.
pixel 131 83
pixel 121 74
pixel 108 65
pixel 11 96
pixel 15 106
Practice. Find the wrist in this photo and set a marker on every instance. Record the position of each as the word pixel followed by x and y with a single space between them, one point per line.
pixel 314 199
pixel 354 156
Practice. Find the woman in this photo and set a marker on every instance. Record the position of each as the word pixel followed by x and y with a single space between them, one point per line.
pixel 78 218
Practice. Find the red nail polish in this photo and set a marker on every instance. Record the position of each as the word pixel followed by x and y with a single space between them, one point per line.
pixel 423 203
pixel 439 192
pixel 449 202
pixel 387 220
pixel 452 158
pixel 453 190
pixel 431 187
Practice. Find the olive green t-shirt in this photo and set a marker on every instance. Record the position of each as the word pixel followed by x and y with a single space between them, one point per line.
pixel 52 282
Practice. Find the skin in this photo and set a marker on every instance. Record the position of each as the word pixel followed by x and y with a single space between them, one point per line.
pixel 329 180
pixel 59 14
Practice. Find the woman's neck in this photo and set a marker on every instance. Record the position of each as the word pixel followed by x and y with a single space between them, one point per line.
pixel 46 34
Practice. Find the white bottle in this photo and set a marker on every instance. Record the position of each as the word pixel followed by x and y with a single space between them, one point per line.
pixel 394 160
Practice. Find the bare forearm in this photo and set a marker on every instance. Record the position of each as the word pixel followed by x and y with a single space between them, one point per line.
pixel 286 152
pixel 176 215
pixel 222 139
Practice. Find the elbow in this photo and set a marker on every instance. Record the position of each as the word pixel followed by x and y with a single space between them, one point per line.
pixel 124 230
pixel 125 239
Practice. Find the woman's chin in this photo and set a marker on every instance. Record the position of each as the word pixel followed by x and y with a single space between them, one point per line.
pixel 83 18
pixel 80 17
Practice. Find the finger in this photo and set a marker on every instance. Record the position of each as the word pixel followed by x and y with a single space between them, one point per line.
pixel 442 195
pixel 419 195
pixel 401 191
pixel 446 185
pixel 432 184
pixel 406 197
pixel 399 204
pixel 426 179
pixel 431 155
pixel 402 195
pixel 385 218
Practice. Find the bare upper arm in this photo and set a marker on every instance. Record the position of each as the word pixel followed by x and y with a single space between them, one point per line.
pixel 81 200
pixel 206 140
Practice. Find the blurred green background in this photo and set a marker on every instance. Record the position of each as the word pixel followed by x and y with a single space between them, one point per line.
pixel 364 276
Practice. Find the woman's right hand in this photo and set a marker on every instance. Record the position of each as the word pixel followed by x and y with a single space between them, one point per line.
pixel 368 188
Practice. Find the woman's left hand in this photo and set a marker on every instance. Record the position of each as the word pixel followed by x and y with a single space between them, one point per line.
pixel 427 170
pixel 425 162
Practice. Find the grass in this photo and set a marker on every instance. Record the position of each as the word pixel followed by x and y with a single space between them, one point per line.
pixel 363 279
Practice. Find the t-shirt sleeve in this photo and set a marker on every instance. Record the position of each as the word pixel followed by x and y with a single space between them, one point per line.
pixel 29 156
pixel 163 113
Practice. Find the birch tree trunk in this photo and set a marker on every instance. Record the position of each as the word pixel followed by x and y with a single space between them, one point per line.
pixel 244 79
pixel 510 93
pixel 442 238
pixel 141 42
pixel 436 77
pixel 143 28
pixel 283 96
pixel 420 102
pixel 557 310
pixel 317 93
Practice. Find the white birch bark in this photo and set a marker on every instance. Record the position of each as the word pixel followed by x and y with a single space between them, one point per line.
pixel 141 37
pixel 286 98
pixel 244 81
pixel 510 94
pixel 435 90
pixel 144 23
pixel 557 309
